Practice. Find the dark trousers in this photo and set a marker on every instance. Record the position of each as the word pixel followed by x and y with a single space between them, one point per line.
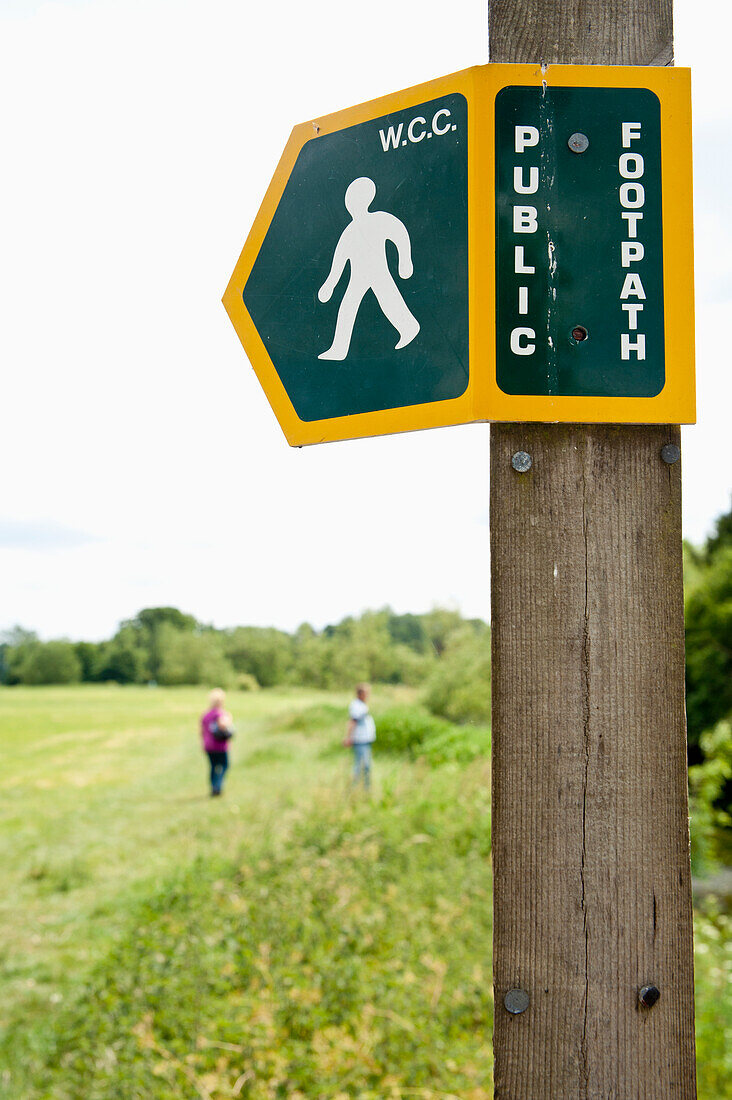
pixel 219 764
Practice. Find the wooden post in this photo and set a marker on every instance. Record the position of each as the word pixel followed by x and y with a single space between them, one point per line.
pixel 590 821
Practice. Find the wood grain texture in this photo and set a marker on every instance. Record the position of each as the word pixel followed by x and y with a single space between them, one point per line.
pixel 590 829
pixel 582 32
pixel 590 819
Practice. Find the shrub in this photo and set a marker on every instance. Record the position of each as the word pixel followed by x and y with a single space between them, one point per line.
pixel 193 659
pixel 457 745
pixel 406 729
pixel 709 822
pixel 246 682
pixel 713 974
pixel 343 957
pixel 49 663
pixel 460 686
pixel 315 719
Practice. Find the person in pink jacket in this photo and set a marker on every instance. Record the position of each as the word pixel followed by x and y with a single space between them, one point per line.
pixel 216 732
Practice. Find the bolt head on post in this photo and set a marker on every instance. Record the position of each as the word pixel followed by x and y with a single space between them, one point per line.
pixel 670 453
pixel 648 995
pixel 516 1001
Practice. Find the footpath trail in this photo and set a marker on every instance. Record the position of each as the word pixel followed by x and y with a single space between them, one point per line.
pixel 104 790
pixel 286 941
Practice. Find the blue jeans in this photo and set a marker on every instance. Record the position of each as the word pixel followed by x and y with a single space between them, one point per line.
pixel 362 764
pixel 219 764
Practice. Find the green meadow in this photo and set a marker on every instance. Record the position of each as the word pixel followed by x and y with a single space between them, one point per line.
pixel 291 939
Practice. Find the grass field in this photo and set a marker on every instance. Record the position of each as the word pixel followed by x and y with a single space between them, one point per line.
pixel 288 940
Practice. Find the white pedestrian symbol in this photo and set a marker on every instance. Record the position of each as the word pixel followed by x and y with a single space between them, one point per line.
pixel 363 243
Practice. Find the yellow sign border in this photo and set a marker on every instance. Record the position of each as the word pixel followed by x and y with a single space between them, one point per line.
pixel 483 400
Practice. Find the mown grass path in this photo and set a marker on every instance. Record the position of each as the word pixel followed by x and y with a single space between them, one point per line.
pixel 287 941
pixel 104 789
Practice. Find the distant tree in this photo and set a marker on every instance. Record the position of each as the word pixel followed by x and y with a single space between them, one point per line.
pixel 362 650
pixel 12 642
pixel 407 630
pixel 721 536
pixel 193 659
pixel 150 618
pixel 264 652
pixel 311 658
pixel 123 659
pixel 709 648
pixel 148 625
pixel 53 662
pixel 17 636
pixel 89 654
pixel 459 687
pixel 438 625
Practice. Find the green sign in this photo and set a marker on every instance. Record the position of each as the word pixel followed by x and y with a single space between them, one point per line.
pixel 507 243
pixel 579 242
pixel 359 291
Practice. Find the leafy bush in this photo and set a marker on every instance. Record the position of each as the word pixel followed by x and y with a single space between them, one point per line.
pixel 710 824
pixel 246 682
pixel 709 646
pixel 459 688
pixel 322 963
pixel 315 719
pixel 406 729
pixel 47 663
pixel 713 981
pixel 193 659
pixel 457 745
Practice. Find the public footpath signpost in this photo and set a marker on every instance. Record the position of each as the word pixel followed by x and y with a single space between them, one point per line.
pixel 512 243
pixel 509 243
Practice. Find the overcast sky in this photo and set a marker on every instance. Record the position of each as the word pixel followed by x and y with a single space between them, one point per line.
pixel 141 464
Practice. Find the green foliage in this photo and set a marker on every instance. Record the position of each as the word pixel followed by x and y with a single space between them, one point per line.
pixel 245 682
pixel 709 634
pixel 319 718
pixel 312 654
pixel 162 644
pixel 408 630
pixel 45 663
pixel 122 659
pixel 151 627
pixel 361 650
pixel 439 624
pixel 89 654
pixel 713 981
pixel 13 643
pixel 721 536
pixel 320 962
pixel 460 686
pixel 709 647
pixel 406 729
pixel 288 941
pixel 192 658
pixel 262 652
pixel 710 823
pixel 457 745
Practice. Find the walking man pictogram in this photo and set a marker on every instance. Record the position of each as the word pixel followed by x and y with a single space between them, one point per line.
pixel 363 244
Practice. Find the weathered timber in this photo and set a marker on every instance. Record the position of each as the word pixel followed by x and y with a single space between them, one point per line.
pixel 590 826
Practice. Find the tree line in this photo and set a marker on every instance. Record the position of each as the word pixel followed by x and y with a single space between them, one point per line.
pixel 440 649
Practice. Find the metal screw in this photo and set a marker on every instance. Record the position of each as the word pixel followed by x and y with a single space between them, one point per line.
pixel 579 333
pixel 670 453
pixel 648 995
pixel 516 1001
pixel 578 143
pixel 521 461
